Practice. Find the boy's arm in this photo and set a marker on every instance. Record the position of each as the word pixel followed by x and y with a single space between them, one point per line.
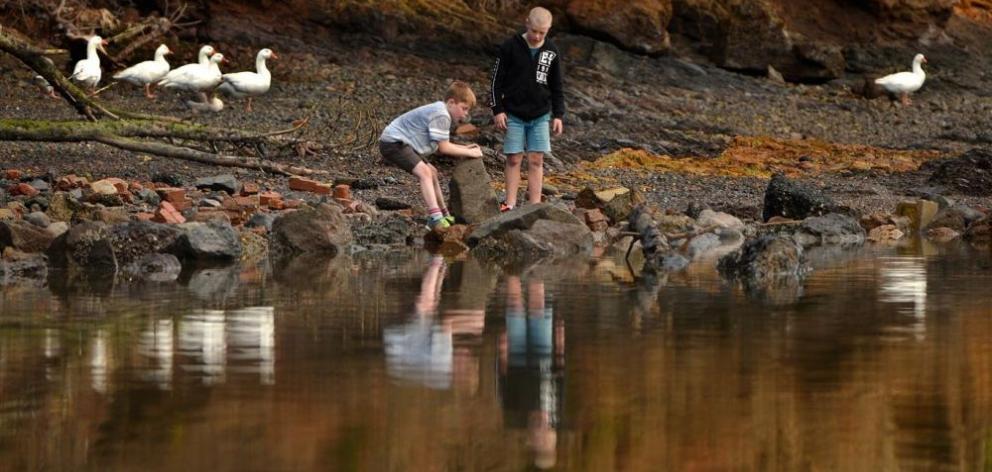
pixel 496 86
pixel 458 150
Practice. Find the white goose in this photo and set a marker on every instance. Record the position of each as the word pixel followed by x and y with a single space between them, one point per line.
pixel 87 71
pixel 195 77
pixel 249 84
pixel 905 83
pixel 214 105
pixel 147 73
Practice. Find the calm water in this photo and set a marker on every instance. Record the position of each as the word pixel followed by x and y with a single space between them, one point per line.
pixel 882 360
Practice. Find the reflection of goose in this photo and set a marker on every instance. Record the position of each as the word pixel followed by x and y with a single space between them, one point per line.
pixel 251 339
pixel 202 341
pixel 157 344
pixel 905 83
pixel 904 281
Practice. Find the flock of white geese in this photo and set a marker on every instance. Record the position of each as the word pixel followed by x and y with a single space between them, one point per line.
pixel 205 76
pixel 202 77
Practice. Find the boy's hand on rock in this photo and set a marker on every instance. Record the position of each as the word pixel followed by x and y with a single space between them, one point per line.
pixel 476 152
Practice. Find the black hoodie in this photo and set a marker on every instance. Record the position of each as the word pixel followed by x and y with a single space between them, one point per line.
pixel 527 87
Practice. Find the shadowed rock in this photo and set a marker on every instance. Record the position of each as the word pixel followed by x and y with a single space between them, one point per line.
pixel 790 199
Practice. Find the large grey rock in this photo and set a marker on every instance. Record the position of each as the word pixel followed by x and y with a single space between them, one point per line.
pixel 970 173
pixel 956 217
pixel 616 203
pixel 135 239
pixel 24 236
pixel 522 218
pixel 86 246
pixel 214 240
pixel 833 228
pixel 323 229
pixel 62 206
pixel 719 219
pixel 225 182
pixel 544 239
pixel 794 200
pixel 472 197
pixel 385 228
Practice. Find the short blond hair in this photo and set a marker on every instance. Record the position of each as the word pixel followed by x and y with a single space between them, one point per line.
pixel 460 92
pixel 539 16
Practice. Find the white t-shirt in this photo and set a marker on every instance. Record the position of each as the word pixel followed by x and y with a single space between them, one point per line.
pixel 422 128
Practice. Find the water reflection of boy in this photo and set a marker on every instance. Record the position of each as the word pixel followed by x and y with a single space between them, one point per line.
pixel 423 351
pixel 531 364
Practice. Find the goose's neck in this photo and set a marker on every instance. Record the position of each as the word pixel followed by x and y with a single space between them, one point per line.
pixel 204 58
pixel 260 66
pixel 159 56
pixel 918 69
pixel 91 51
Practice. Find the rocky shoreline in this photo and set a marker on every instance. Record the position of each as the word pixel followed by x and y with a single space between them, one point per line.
pixel 681 133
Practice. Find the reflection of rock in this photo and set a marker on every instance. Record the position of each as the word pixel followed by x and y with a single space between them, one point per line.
pixel 25 268
pixel 154 268
pixel 215 284
pixel 313 271
pixel 764 260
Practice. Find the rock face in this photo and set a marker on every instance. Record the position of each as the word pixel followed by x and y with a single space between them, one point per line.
pixel 791 199
pixel 802 39
pixel 214 240
pixel 472 197
pixel 639 25
pixel 323 229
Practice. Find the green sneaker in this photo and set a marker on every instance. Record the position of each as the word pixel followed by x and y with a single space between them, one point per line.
pixel 438 224
pixel 450 219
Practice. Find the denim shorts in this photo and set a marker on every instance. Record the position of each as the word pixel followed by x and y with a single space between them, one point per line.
pixel 529 136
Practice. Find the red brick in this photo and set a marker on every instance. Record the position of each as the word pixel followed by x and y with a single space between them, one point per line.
pixel 276 204
pixel 144 216
pixel 302 184
pixel 248 202
pixel 172 194
pixel 265 197
pixel 323 189
pixel 182 204
pixel 166 213
pixel 249 188
pixel 342 191
pixel 12 174
pixel 406 212
pixel 345 202
pixel 24 189
pixel 135 186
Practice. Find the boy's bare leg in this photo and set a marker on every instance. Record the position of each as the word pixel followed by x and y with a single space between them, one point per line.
pixel 430 287
pixel 423 172
pixel 514 294
pixel 512 174
pixel 438 194
pixel 535 176
pixel 535 297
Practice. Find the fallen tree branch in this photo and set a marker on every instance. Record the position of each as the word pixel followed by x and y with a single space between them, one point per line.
pixel 105 132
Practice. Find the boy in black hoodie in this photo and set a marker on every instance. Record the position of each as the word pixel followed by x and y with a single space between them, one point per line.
pixel 526 99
